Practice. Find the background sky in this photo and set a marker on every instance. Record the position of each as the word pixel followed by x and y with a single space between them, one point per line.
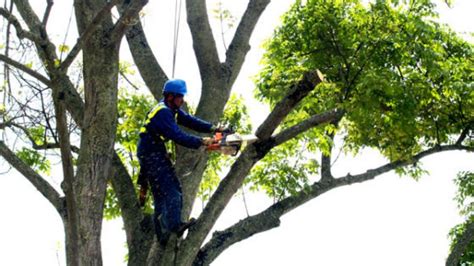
pixel 389 221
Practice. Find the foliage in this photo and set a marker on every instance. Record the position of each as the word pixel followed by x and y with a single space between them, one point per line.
pixel 285 171
pixel 224 15
pixel 132 110
pixel 35 160
pixel 404 80
pixel 465 201
pixel 465 194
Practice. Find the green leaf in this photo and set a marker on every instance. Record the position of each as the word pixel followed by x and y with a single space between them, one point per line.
pixel 63 48
pixel 35 160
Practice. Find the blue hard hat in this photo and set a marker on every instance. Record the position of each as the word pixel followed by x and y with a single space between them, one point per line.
pixel 175 86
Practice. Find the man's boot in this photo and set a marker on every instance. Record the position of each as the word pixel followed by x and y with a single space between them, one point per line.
pixel 184 226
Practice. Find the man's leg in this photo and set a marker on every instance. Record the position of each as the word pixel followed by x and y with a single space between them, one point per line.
pixel 170 190
pixel 150 166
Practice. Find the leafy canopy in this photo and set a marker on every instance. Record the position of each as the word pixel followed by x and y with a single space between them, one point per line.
pixel 404 80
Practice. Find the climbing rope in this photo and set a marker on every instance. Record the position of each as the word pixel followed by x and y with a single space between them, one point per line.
pixel 177 20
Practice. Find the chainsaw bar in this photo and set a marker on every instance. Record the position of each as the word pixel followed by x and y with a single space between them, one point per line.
pixel 230 144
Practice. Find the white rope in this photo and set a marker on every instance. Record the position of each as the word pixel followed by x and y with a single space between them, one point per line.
pixel 177 19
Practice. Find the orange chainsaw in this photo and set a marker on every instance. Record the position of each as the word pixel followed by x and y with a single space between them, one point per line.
pixel 229 143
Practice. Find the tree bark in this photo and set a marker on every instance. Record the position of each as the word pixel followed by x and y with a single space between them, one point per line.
pixel 100 70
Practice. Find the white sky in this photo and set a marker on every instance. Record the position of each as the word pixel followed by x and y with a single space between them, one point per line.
pixel 388 221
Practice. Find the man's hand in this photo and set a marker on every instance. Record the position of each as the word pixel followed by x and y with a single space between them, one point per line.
pixel 206 141
pixel 227 130
pixel 142 195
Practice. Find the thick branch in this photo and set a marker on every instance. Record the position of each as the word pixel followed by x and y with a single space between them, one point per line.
pixel 149 68
pixel 138 227
pixel 281 110
pixel 93 25
pixel 42 185
pixel 239 46
pixel 461 245
pixel 244 229
pixel 25 69
pixel 203 40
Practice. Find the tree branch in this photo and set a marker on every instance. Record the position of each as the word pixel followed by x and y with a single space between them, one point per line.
pixel 461 245
pixel 93 25
pixel 128 17
pixel 21 33
pixel 47 12
pixel 244 229
pixel 38 182
pixel 139 228
pixel 370 174
pixel 149 68
pixel 282 108
pixel 463 135
pixel 46 49
pixel 315 120
pixel 239 46
pixel 25 69
pixel 34 145
pixel 269 218
pixel 203 40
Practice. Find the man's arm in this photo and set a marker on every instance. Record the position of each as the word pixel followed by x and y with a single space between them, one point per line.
pixel 164 124
pixel 193 122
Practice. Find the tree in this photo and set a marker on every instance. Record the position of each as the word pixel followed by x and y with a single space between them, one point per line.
pixel 395 80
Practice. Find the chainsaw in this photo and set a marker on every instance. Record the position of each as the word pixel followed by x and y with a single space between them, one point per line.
pixel 229 143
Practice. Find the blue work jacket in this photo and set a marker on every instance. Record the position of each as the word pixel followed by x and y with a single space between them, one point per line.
pixel 162 124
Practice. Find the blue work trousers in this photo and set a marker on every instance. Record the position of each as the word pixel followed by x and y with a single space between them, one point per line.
pixel 166 189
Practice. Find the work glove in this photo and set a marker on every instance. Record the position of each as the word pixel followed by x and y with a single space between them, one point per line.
pixel 206 141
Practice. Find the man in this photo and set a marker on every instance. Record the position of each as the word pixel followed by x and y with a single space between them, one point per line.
pixel 156 169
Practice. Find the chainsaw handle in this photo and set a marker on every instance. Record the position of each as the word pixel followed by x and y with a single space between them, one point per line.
pixel 213 147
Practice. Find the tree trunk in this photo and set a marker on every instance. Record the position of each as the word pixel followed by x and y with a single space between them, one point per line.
pixel 100 69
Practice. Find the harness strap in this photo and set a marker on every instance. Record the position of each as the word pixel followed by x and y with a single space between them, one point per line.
pixel 149 117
